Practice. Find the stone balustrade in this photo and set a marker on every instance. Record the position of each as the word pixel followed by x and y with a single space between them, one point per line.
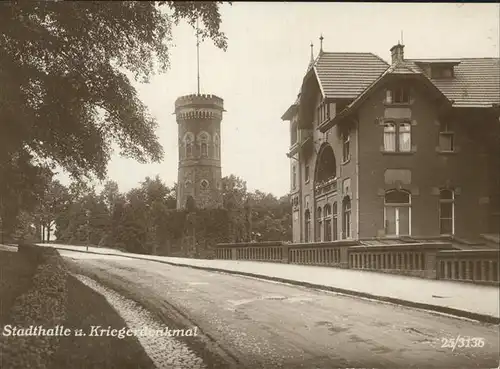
pixel 433 260
pixel 332 253
pixel 480 266
pixel 253 251
pixel 414 259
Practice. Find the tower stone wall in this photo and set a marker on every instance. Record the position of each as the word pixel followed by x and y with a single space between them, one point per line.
pixel 199 125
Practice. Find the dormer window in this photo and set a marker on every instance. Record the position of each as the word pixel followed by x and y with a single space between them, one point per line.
pixel 398 95
pixel 440 71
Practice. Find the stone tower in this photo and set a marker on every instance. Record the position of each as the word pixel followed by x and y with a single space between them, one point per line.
pixel 199 176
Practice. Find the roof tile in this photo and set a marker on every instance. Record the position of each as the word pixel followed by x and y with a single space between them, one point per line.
pixel 346 75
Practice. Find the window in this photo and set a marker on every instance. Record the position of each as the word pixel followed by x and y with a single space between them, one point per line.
pixel 204 149
pixel 306 173
pixel 323 113
pixel 326 165
pixel 319 223
pixel 346 154
pixel 442 72
pixel 446 212
pixel 397 213
pixel 307 228
pixel 446 137
pixel 294 177
pixel 405 137
pixel 334 222
pixel 327 211
pixel 389 137
pixel 346 217
pixel 203 138
pixel 216 146
pixel 204 184
pixel 188 144
pixel 398 95
pixel 397 137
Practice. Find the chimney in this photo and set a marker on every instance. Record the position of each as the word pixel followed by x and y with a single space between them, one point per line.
pixel 397 53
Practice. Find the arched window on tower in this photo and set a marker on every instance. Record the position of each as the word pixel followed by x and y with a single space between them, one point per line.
pixel 188 144
pixel 203 139
pixel 216 146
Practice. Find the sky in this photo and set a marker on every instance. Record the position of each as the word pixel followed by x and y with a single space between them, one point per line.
pixel 261 72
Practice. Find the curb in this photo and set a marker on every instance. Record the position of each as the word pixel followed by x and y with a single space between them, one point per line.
pixel 483 318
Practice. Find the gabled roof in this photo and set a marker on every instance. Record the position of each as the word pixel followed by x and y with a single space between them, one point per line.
pixel 346 75
pixel 400 68
pixel 476 82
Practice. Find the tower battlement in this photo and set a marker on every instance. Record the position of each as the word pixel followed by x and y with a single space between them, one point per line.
pixel 202 100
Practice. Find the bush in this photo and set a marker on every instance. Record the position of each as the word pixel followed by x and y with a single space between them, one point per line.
pixel 43 305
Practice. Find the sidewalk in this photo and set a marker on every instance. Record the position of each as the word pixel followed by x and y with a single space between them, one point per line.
pixel 462 299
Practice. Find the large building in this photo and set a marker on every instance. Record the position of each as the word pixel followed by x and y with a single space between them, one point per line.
pixel 199 176
pixel 409 148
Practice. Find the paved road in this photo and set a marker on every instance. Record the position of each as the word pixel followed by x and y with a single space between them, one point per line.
pixel 271 325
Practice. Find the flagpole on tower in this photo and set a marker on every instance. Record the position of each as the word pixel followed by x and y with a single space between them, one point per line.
pixel 198 52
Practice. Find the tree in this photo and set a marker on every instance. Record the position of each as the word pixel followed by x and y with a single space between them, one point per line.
pixel 234 191
pixel 65 92
pixel 53 204
pixel 22 183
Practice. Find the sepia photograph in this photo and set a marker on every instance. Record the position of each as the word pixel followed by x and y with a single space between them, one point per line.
pixel 249 185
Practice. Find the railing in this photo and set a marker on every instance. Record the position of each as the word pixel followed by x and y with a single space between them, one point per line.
pixel 256 251
pixel 414 259
pixel 332 253
pixel 325 187
pixel 469 265
pixel 433 260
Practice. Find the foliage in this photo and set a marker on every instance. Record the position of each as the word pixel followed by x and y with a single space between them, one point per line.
pixel 65 92
pixel 22 183
pixel 145 219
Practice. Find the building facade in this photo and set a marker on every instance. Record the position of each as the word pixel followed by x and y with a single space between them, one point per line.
pixel 199 120
pixel 406 149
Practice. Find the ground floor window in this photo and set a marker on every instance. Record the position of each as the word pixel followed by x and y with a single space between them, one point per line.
pixel 335 232
pixel 319 223
pixel 307 228
pixel 346 217
pixel 328 222
pixel 397 213
pixel 446 212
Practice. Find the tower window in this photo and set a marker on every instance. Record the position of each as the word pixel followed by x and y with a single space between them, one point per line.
pixel 204 184
pixel 188 144
pixel 203 139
